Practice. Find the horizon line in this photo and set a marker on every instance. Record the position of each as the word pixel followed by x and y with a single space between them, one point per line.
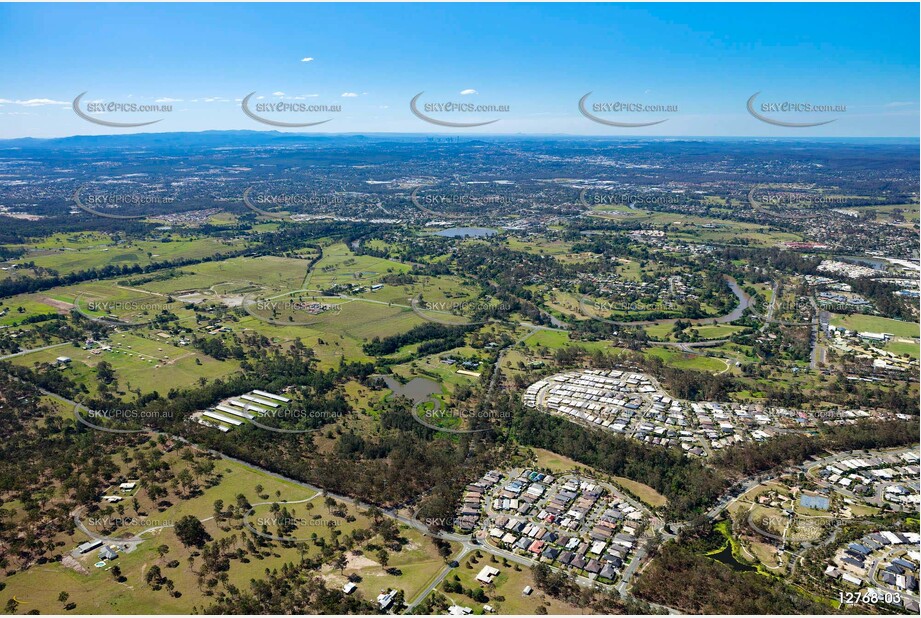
pixel 455 135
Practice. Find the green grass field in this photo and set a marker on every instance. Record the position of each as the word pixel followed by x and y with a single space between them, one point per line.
pixel 876 324
pixel 340 266
pixel 236 275
pixel 14 310
pixel 67 254
pixel 139 363
pixel 505 593
pixel 98 593
pixel 681 360
pixel 902 348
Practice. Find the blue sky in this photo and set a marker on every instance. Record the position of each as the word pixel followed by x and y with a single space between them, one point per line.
pixel 537 59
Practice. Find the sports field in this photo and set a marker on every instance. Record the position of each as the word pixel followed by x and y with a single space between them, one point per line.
pixel 875 324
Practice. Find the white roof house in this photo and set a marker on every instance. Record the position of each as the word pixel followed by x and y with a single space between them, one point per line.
pixel 385 599
pixel 486 574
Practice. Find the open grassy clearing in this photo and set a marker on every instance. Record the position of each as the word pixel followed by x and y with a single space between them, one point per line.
pixel 14 310
pixel 96 251
pixel 903 347
pixel 415 566
pixel 558 463
pixel 875 324
pixel 505 593
pixel 539 245
pixel 665 332
pixel 236 275
pixel 362 320
pixel 328 347
pixel 97 592
pixel 682 360
pixel 431 367
pixel 139 363
pixel 644 492
pixel 340 266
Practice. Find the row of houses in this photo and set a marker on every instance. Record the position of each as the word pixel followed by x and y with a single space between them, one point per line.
pixel 632 404
pixel 570 522
pixel 468 514
pixel 893 557
pixel 894 477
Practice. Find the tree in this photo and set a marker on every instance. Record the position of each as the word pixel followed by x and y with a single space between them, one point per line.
pixel 105 373
pixel 383 557
pixel 185 479
pixel 153 576
pixel 62 598
pixel 191 532
pixel 162 550
pixel 340 562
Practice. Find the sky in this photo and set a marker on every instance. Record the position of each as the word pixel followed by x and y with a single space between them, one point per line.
pixel 530 64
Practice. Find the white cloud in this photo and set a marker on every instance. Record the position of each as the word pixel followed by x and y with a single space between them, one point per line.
pixel 468 91
pixel 278 94
pixel 167 100
pixel 307 59
pixel 39 102
pixel 349 94
pixel 900 104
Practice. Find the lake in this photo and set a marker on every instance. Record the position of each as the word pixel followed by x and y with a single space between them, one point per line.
pixel 416 390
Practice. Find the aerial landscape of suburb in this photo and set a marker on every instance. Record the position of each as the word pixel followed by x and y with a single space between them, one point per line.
pixel 474 321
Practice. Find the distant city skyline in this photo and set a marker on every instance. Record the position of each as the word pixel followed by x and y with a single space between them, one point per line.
pixel 685 70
